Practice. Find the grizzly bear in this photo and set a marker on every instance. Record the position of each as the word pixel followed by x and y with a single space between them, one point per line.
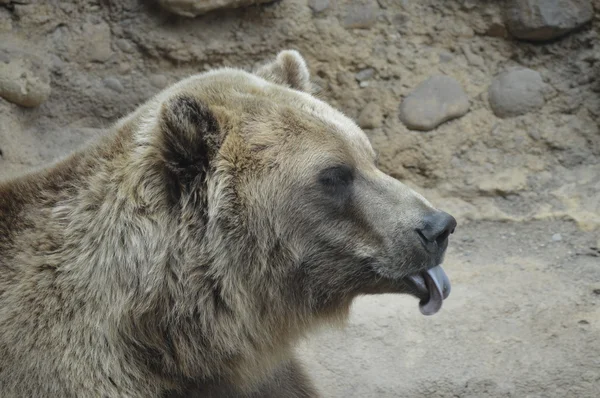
pixel 186 251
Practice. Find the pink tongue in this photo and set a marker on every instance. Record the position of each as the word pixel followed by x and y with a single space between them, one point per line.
pixel 438 286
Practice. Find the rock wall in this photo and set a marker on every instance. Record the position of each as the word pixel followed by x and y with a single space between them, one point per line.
pixel 526 145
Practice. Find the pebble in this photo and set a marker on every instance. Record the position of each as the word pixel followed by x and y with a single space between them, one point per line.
pixel 365 74
pixel 556 238
pixel 158 81
pixel 114 84
pixel 345 79
pixel 97 46
pixel 193 8
pixel 55 64
pixel 472 59
pixel 370 117
pixel 433 102
pixel 318 5
pixel 124 68
pixel 445 56
pixel 516 92
pixel 6 24
pixel 24 78
pixel 125 46
pixel 360 16
pixel 543 20
pixel 496 28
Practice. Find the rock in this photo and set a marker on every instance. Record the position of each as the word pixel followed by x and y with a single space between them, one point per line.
pixel 365 74
pixel 541 20
pixel 24 78
pixel 158 81
pixel 516 92
pixel 125 46
pixel 496 27
pixel 5 20
pixel 556 238
pixel 345 79
pixel 55 64
pixel 370 117
pixel 114 84
pixel 318 5
pixel 193 8
pixel 496 30
pixel 472 59
pixel 97 46
pixel 434 101
pixel 124 68
pixel 445 56
pixel 360 16
pixel 504 182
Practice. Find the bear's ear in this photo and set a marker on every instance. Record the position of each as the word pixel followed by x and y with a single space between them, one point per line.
pixel 189 140
pixel 288 69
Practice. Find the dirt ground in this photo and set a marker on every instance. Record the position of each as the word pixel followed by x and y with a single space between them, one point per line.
pixel 523 318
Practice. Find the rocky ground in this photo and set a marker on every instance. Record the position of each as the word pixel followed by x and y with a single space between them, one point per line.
pixel 490 108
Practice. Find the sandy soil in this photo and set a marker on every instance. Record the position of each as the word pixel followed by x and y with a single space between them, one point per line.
pixel 523 319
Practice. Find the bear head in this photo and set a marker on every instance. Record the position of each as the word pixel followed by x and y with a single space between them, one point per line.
pixel 289 196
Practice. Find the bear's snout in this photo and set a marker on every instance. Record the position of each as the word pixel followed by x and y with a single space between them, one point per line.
pixel 436 229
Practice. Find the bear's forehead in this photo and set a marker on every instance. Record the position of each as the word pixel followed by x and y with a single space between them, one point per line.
pixel 308 126
pixel 272 114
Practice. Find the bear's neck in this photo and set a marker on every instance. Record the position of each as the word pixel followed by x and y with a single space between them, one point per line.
pixel 180 305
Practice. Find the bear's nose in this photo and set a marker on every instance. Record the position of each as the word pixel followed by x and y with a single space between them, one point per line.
pixel 437 227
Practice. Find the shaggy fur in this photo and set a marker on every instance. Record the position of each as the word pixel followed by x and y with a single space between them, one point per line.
pixel 196 242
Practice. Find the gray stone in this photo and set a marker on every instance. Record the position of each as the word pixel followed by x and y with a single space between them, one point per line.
pixel 97 42
pixel 370 117
pixel 365 74
pixel 158 81
pixel 434 101
pixel 360 16
pixel 125 46
pixel 445 56
pixel 345 79
pixel 318 5
pixel 114 84
pixel 556 238
pixel 516 92
pixel 24 78
pixel 193 8
pixel 541 20
pixel 124 68
pixel 496 28
pixel 472 59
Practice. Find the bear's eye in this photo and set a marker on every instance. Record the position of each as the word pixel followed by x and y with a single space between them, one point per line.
pixel 336 177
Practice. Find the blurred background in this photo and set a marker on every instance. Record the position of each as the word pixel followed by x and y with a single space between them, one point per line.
pixel 489 108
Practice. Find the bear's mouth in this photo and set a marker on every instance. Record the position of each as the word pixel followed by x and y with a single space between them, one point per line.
pixel 433 286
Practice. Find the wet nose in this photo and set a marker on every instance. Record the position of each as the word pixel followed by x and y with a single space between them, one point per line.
pixel 437 227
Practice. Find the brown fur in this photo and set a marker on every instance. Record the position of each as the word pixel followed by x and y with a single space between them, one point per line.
pixel 193 245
